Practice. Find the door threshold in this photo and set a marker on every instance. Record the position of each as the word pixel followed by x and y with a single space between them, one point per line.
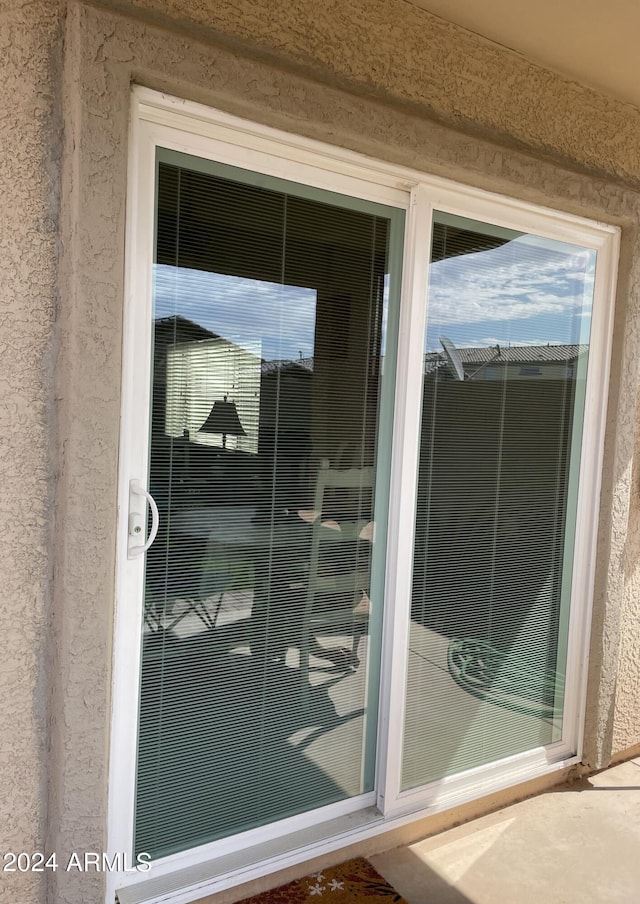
pixel 233 868
pixel 194 882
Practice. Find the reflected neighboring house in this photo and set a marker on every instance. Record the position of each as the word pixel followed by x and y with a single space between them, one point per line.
pixel 516 362
pixel 184 390
pixel 169 331
pixel 287 384
pixel 286 404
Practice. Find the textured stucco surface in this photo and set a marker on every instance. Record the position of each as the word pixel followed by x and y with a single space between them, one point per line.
pixel 29 130
pixel 626 713
pixel 347 74
pixel 395 49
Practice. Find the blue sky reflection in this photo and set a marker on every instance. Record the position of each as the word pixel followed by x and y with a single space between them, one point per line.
pixel 242 310
pixel 529 291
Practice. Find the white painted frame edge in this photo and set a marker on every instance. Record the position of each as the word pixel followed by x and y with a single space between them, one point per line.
pixel 148 106
pixel 403 493
pixel 588 508
pixel 132 461
pixel 190 117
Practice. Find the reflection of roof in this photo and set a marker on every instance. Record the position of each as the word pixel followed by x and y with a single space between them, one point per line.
pixel 513 354
pixel 522 354
pixel 304 364
pixel 177 328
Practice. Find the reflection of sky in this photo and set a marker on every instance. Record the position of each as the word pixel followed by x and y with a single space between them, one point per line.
pixel 282 318
pixel 526 292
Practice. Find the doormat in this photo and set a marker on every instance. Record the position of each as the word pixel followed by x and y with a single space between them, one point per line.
pixel 353 882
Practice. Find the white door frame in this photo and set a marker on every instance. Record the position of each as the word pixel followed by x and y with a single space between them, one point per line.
pixel 158 120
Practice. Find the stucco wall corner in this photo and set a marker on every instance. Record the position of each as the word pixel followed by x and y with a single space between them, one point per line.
pixel 30 42
pixel 626 715
pixel 88 376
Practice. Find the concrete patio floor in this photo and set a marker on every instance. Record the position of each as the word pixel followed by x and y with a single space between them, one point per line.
pixel 577 844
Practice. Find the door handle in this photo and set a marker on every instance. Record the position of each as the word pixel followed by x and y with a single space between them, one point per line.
pixel 137 521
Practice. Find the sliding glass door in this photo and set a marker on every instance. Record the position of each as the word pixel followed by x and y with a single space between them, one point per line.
pixel 503 392
pixel 368 407
pixel 261 631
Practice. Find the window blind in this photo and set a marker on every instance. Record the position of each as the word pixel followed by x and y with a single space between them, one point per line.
pixel 269 330
pixel 506 352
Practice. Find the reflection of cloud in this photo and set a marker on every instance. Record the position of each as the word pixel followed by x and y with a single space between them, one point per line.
pixel 517 281
pixel 529 291
pixel 247 310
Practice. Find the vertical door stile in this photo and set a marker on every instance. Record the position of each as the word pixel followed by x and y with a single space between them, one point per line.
pixel 590 482
pixel 402 501
pixel 136 371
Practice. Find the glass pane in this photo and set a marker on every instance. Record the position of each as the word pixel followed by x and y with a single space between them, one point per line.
pixel 269 319
pixel 503 397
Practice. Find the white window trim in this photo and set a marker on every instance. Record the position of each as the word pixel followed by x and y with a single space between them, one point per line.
pixel 160 120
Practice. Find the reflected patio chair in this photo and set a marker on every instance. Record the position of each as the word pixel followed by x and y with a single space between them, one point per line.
pixel 194 585
pixel 206 604
pixel 337 600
